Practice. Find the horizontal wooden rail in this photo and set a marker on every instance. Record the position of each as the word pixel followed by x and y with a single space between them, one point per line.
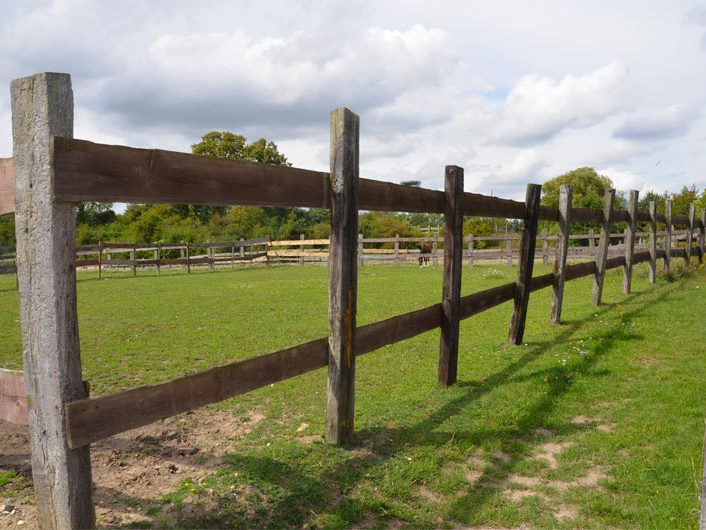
pixel 7 186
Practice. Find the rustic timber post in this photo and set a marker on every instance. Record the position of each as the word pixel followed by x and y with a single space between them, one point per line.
pixel 435 251
pixel 343 275
pixel 301 250
pixel 100 259
pixel 528 243
pixel 242 249
pixel 188 261
pixel 508 249
pixel 470 250
pixel 652 272
pixel 211 261
pixel 397 250
pixel 562 246
pixel 133 259
pixel 602 255
pixel 630 241
pixel 42 107
pixel 451 292
pixel 545 248
pixel 689 235
pixel 668 236
pixel 702 236
pixel 360 250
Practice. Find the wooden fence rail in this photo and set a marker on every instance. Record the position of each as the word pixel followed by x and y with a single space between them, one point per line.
pixel 51 171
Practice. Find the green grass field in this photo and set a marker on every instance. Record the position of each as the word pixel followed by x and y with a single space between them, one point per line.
pixel 595 423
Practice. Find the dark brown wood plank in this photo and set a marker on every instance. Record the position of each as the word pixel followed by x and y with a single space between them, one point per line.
pixel 602 255
pixel 396 329
pixel 475 303
pixel 451 286
pixel 385 196
pixel 90 420
pixel 343 275
pixel 477 205
pixel 619 216
pixel 586 215
pixel 565 200
pixel 526 264
pixel 7 186
pixel 540 282
pixel 580 270
pixel 682 220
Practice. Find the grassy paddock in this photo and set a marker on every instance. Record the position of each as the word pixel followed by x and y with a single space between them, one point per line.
pixel 594 423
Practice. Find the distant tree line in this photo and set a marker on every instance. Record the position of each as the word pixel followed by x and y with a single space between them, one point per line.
pixel 173 223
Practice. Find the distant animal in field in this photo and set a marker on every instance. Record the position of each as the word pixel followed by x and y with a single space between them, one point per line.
pixel 424 251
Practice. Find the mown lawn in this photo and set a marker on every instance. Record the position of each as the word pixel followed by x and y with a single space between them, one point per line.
pixel 595 423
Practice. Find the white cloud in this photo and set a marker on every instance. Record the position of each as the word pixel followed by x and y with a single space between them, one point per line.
pixel 539 107
pixel 671 121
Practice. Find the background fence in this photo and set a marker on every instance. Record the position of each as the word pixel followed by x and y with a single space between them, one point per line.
pixel 504 248
pixel 52 171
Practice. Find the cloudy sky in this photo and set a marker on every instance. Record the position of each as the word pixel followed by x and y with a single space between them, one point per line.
pixel 513 91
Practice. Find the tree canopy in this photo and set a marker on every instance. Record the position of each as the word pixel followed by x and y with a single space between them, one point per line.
pixel 588 188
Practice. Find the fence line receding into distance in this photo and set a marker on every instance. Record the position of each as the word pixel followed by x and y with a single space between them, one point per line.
pixel 52 171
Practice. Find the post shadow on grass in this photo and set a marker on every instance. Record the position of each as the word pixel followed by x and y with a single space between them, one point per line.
pixel 297 492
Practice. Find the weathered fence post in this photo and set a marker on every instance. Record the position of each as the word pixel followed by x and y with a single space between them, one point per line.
pixel 470 250
pixel 397 250
pixel 451 292
pixel 562 247
pixel 702 236
pixel 630 241
pixel 435 251
pixel 133 259
pixel 528 243
pixel 508 249
pixel 603 244
pixel 42 107
pixel 188 260
pixel 668 236
pixel 100 259
pixel 652 273
pixel 301 250
pixel 343 275
pixel 545 248
pixel 689 235
pixel 360 250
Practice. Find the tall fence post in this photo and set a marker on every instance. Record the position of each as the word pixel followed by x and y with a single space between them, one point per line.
pixel 188 259
pixel 451 292
pixel 397 250
pixel 508 249
pixel 668 236
pixel 689 235
pixel 630 241
pixel 301 250
pixel 603 244
pixel 42 107
pixel 702 236
pixel 525 266
pixel 100 259
pixel 435 251
pixel 343 275
pixel 652 272
pixel 470 250
pixel 562 246
pixel 360 250
pixel 133 259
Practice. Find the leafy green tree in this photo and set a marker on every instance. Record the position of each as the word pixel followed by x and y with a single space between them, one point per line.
pixel 7 230
pixel 588 188
pixel 682 200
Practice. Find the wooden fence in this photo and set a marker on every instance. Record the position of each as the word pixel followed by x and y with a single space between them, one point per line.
pixel 52 171
pixel 395 250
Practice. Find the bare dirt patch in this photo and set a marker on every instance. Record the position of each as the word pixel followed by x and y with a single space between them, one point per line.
pixel 549 451
pixel 136 468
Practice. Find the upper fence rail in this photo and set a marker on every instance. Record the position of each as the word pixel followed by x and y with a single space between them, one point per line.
pixel 88 171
